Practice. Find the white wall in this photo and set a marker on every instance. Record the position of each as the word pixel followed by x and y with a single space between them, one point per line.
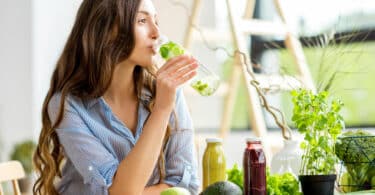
pixel 51 25
pixel 32 34
pixel 15 74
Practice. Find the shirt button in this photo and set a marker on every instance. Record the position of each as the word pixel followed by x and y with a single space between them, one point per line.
pixel 90 168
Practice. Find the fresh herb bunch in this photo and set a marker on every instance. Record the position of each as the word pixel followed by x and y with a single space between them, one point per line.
pixel 320 122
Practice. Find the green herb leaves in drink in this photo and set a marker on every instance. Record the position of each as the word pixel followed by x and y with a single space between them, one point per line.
pixel 170 50
pixel 202 87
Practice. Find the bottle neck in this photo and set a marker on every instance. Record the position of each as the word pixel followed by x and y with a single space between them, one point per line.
pixel 290 144
pixel 254 144
pixel 213 144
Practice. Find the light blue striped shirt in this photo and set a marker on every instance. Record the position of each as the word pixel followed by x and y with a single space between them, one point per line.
pixel 95 142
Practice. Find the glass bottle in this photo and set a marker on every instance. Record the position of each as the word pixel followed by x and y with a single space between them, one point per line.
pixel 205 82
pixel 288 159
pixel 214 162
pixel 254 163
pixel 286 168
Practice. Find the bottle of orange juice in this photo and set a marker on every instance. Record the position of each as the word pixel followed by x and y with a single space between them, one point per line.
pixel 214 162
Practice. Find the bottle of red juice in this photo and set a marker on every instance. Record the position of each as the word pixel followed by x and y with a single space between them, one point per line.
pixel 254 164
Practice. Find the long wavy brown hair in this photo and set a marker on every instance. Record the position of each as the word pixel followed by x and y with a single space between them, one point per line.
pixel 102 36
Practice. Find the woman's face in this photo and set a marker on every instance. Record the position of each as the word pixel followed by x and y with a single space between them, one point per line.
pixel 146 32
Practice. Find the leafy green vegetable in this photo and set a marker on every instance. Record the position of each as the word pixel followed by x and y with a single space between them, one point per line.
pixel 235 175
pixel 283 184
pixel 277 184
pixel 357 151
pixel 320 122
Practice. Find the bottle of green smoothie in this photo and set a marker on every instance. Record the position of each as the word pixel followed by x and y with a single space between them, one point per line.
pixel 214 162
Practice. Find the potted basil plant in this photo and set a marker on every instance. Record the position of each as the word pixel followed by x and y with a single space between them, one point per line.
pixel 320 123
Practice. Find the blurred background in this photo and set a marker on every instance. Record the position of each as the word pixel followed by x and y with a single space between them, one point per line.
pixel 33 33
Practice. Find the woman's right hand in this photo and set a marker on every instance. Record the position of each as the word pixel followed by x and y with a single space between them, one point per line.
pixel 169 77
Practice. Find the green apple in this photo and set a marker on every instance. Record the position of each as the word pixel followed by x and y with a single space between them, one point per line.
pixel 175 191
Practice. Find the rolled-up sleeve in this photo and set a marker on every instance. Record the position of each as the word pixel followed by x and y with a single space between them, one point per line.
pixel 91 159
pixel 181 162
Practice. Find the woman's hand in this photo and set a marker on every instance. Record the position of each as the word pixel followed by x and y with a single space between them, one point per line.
pixel 169 77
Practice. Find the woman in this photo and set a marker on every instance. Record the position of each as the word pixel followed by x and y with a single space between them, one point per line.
pixel 112 122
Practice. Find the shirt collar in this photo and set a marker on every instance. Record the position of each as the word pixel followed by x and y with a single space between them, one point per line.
pixel 146 94
pixel 92 102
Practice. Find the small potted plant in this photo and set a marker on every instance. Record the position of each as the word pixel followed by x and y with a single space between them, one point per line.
pixel 320 122
pixel 23 153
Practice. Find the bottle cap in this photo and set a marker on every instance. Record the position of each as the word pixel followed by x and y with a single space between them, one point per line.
pixel 214 140
pixel 253 139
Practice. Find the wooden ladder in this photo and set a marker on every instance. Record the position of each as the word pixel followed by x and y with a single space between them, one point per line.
pixel 241 29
